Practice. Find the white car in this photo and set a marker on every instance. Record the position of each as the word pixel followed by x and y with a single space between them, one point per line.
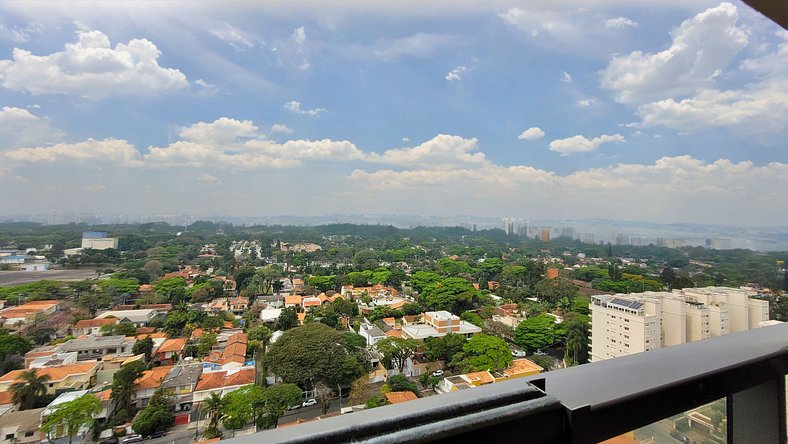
pixel 437 373
pixel 309 403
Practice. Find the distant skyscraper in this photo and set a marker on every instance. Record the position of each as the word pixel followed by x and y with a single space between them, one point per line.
pixel 588 238
pixel 620 239
pixel 545 234
pixel 568 232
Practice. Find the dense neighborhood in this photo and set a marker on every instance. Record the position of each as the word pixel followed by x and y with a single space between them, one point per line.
pixel 217 332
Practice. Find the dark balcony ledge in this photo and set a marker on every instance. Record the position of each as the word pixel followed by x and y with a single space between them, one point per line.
pixel 587 403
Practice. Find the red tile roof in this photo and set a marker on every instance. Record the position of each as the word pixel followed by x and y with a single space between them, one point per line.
pixel 55 374
pixel 398 397
pixel 172 345
pixel 153 378
pixel 90 323
pixel 214 380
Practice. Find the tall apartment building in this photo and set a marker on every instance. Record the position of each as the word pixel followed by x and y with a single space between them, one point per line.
pixel 626 324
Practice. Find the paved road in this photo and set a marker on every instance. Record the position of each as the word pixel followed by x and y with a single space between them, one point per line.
pixel 9 278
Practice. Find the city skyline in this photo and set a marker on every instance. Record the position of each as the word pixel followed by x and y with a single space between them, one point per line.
pixel 625 110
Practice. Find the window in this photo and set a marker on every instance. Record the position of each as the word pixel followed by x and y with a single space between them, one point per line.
pixel 30 433
pixel 9 436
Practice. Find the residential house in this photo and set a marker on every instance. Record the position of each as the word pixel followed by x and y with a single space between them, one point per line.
pixel 222 382
pixel 400 397
pixel 234 353
pixel 148 383
pixel 272 301
pixel 162 309
pixel 87 327
pixel 371 333
pixel 61 379
pixel 518 369
pixel 453 384
pixel 310 302
pixel 107 408
pixel 293 301
pixel 13 317
pixel 477 379
pixel 169 352
pixel 437 324
pixel 139 317
pixel 238 305
pixel 21 427
pixel 54 360
pixel 96 347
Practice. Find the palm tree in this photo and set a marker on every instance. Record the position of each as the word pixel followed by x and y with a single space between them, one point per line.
pixel 214 405
pixel 576 339
pixel 28 388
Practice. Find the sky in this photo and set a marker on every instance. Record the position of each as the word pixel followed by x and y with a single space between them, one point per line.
pixel 671 111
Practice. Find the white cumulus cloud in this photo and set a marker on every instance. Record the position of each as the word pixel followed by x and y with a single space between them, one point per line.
pixel 20 127
pixel 580 144
pixel 620 23
pixel 442 150
pixel 532 133
pixel 455 75
pixel 702 46
pixel 92 68
pixel 110 151
pixel 279 128
pixel 295 107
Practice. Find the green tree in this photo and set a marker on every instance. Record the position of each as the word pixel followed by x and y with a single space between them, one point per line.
pixel 66 419
pixel 397 350
pixel 157 415
pixel 553 290
pixel 668 277
pixel 577 341
pixel 143 346
pixel 206 343
pixel 287 319
pixel 214 405
pixel 263 280
pixel 12 348
pixel 452 294
pixel 473 318
pixel 323 283
pixel 444 348
pixel 400 383
pixel 535 333
pixel 313 353
pixel 240 406
pixel 276 400
pixel 242 276
pixel 421 279
pixel 123 388
pixel 28 388
pixel 483 352
pixel 428 381
pixel 122 328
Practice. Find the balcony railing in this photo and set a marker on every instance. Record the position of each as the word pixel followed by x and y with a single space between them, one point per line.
pixel 588 403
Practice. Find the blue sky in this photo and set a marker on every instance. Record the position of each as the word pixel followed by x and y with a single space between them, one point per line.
pixel 671 112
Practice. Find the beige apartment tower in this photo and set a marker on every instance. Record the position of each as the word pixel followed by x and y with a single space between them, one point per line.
pixel 624 324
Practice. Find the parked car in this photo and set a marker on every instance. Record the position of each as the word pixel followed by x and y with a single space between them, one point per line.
pixel 128 439
pixel 295 407
pixel 437 373
pixel 517 353
pixel 309 402
pixel 112 440
pixel 159 434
